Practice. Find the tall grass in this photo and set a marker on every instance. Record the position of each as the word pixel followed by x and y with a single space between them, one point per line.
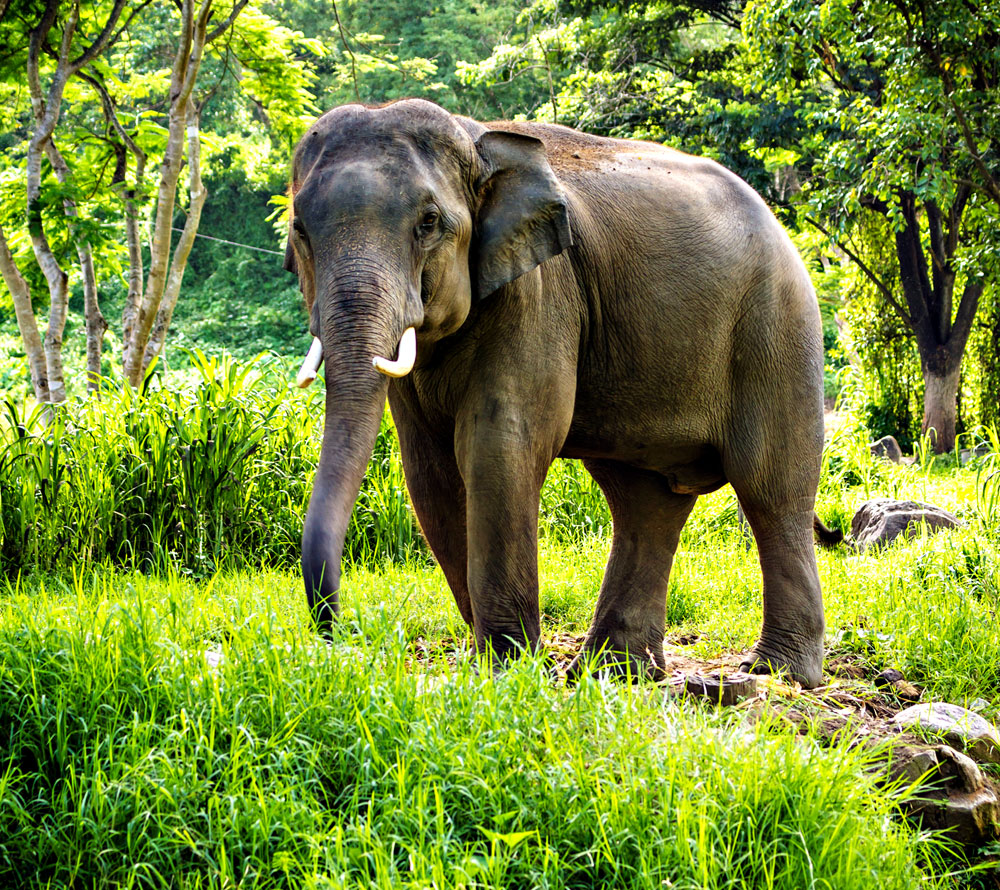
pixel 213 473
pixel 198 476
pixel 129 760
pixel 217 473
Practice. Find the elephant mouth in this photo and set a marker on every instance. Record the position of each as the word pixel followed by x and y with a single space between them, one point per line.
pixel 399 367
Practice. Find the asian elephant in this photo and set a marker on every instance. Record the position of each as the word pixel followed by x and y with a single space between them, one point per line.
pixel 555 294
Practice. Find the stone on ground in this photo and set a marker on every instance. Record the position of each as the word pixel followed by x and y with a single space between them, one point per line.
pixel 888 449
pixel 961 728
pixel 881 521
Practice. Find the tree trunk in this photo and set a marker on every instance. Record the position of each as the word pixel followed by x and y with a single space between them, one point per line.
pixel 941 404
pixel 94 319
pixel 941 334
pixel 187 62
pixel 26 323
pixel 197 194
pixel 45 112
pixel 95 322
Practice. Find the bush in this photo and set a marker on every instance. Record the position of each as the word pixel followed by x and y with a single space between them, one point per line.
pixel 196 477
pixel 210 474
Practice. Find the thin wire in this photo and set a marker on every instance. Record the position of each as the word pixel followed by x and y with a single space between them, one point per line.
pixel 234 243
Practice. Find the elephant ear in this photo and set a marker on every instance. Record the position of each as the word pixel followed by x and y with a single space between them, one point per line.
pixel 522 219
pixel 291 263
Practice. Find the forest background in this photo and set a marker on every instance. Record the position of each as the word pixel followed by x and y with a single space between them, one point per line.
pixel 870 127
pixel 168 717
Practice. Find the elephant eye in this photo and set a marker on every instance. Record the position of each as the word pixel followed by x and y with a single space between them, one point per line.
pixel 428 223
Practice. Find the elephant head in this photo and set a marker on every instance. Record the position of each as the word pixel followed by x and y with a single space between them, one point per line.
pixel 404 217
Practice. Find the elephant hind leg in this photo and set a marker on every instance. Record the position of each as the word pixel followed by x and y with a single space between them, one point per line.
pixel 791 638
pixel 627 629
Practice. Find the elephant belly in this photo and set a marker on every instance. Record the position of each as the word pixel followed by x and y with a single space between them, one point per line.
pixel 688 466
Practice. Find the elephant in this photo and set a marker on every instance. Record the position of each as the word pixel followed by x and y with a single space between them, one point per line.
pixel 556 294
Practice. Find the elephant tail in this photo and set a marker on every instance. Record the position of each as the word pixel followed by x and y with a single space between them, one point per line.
pixel 826 537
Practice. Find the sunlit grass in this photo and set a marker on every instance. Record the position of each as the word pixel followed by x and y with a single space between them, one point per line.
pixel 131 759
pixel 184 726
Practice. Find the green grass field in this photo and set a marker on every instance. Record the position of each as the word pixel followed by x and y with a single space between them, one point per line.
pixel 182 726
pixel 132 758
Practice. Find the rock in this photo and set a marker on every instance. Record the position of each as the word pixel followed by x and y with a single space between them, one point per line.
pixel 888 449
pixel 910 764
pixel 906 690
pixel 962 729
pixel 971 818
pixel 848 671
pixel 962 769
pixel 888 677
pixel 968 454
pixel 882 520
pixel 720 689
pixel 964 804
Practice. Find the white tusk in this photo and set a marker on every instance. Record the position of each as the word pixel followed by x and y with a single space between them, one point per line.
pixel 404 362
pixel 310 367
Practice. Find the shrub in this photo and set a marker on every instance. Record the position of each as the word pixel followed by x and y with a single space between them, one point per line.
pixel 196 476
pixel 215 472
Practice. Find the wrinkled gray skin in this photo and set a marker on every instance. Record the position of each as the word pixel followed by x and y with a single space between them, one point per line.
pixel 613 301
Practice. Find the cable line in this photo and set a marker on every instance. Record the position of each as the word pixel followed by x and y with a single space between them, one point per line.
pixel 234 243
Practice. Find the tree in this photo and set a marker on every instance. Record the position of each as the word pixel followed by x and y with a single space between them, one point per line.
pixel 905 126
pixel 675 72
pixel 144 113
pixel 156 304
pixel 70 54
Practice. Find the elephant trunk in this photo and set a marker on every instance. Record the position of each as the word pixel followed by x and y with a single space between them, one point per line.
pixel 358 322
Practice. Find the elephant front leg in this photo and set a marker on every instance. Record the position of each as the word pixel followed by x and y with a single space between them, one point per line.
pixel 627 630
pixel 503 480
pixel 438 495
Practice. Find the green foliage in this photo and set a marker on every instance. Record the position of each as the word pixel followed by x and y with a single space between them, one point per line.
pixel 573 507
pixel 210 474
pixel 899 104
pixel 380 51
pixel 673 72
pixel 199 476
pixel 383 527
pixel 130 759
pixel 979 402
pixel 238 299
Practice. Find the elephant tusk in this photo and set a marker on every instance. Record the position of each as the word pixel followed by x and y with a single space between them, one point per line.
pixel 310 367
pixel 404 362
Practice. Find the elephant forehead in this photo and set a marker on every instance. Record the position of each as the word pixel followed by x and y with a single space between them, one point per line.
pixel 403 135
pixel 348 192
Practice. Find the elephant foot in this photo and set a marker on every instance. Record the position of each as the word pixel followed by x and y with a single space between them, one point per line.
pixel 622 662
pixel 801 661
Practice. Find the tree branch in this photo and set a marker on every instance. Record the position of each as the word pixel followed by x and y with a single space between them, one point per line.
pixel 967 308
pixel 884 289
pixel 350 52
pixel 26 322
pixel 221 29
pixel 128 22
pixel 99 42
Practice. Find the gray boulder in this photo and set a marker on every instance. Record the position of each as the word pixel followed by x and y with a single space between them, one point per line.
pixel 882 520
pixel 970 454
pixel 961 728
pixel 887 448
